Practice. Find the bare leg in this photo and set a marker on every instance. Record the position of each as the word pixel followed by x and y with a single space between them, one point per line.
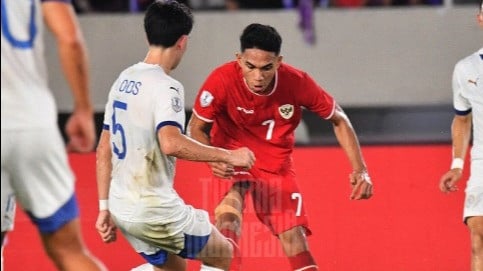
pixel 217 252
pixel 229 213
pixel 67 250
pixel 475 224
pixel 294 244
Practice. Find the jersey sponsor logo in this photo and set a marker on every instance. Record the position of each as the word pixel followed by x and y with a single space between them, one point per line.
pixel 244 110
pixel 176 104
pixel 206 98
pixel 286 111
pixel 175 89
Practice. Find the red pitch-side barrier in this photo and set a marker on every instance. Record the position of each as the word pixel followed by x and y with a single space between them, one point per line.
pixel 409 225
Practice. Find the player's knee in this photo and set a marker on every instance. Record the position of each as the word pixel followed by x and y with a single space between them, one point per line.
pixel 228 221
pixel 476 231
pixel 477 243
pixel 293 241
pixel 227 214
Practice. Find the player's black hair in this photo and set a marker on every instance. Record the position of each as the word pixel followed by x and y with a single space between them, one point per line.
pixel 166 21
pixel 262 37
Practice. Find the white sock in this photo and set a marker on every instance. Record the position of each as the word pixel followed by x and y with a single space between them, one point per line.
pixel 209 268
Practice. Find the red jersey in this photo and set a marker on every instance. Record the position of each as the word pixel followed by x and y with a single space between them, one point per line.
pixel 263 123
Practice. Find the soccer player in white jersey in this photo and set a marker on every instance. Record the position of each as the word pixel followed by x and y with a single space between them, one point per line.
pixel 136 157
pixel 468 105
pixel 35 169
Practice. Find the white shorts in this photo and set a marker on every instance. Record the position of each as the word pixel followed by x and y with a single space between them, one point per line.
pixel 474 191
pixel 35 169
pixel 153 240
pixel 7 205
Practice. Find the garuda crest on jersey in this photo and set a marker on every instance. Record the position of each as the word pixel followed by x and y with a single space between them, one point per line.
pixel 286 111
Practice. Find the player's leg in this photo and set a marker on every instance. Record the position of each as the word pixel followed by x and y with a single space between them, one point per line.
pixel 191 236
pixel 475 225
pixel 44 186
pixel 294 244
pixel 473 213
pixel 279 205
pixel 66 248
pixel 229 215
pixel 217 253
pixel 152 240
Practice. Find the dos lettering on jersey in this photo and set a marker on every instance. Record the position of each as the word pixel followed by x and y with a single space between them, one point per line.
pixel 130 87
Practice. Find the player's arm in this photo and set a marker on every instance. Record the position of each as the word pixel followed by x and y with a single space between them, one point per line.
pixel 460 136
pixel 347 138
pixel 174 143
pixel 198 130
pixel 60 18
pixel 104 223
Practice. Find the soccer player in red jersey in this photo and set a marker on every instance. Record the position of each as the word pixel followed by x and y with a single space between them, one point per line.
pixel 256 101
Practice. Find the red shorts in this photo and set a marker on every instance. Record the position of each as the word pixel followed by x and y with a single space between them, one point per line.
pixel 277 200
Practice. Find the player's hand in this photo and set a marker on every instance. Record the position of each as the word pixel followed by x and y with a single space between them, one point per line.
pixel 361 185
pixel 80 130
pixel 448 181
pixel 242 157
pixel 106 227
pixel 222 170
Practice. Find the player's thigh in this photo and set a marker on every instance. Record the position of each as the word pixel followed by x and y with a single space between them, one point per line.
pixel 216 247
pixel 279 203
pixel 475 224
pixel 173 263
pixel 66 240
pixel 41 176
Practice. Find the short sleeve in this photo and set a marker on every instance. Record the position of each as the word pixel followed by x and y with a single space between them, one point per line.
pixel 460 103
pixel 316 99
pixel 169 106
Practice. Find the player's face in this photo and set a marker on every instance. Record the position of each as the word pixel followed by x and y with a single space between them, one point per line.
pixel 259 68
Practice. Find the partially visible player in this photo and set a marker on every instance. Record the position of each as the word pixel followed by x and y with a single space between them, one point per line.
pixel 35 169
pixel 468 106
pixel 256 101
pixel 136 157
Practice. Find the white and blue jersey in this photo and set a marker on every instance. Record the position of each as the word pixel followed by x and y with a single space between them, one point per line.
pixel 468 98
pixel 142 199
pixel 34 162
